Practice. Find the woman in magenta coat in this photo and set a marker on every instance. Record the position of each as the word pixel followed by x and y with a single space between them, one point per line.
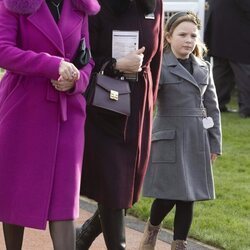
pixel 42 116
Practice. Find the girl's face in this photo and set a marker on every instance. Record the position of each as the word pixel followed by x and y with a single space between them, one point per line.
pixel 183 39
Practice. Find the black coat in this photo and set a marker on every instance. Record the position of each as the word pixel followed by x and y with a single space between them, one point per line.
pixel 227 33
pixel 115 161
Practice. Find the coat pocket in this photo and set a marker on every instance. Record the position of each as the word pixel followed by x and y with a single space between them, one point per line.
pixel 164 146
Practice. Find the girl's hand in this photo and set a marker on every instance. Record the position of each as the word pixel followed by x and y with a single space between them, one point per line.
pixel 132 62
pixel 63 85
pixel 68 71
pixel 213 157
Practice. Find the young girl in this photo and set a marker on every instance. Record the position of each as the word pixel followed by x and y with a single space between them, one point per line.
pixel 186 135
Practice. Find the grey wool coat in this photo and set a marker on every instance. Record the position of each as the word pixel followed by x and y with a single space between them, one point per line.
pixel 180 164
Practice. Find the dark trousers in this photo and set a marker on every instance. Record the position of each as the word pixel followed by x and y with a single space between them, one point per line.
pixel 227 75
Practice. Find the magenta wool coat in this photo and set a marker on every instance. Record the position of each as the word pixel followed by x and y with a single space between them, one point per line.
pixel 41 129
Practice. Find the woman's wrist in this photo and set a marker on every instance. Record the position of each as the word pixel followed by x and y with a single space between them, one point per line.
pixel 114 66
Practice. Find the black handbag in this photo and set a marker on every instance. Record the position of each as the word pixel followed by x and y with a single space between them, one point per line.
pixel 83 55
pixel 109 93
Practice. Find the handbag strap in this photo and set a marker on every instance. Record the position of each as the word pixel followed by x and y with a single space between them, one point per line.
pixel 103 67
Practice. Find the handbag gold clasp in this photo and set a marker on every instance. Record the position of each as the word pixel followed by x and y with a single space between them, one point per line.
pixel 114 95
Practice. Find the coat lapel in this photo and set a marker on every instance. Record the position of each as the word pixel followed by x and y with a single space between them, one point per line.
pixel 180 71
pixel 200 71
pixel 70 17
pixel 49 27
pixel 177 69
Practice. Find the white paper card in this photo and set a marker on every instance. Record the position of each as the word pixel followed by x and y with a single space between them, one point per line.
pixel 208 122
pixel 124 42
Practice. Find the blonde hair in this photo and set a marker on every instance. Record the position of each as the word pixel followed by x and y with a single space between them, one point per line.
pixel 200 49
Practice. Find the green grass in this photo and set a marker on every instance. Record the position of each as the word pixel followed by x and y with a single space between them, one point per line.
pixel 224 222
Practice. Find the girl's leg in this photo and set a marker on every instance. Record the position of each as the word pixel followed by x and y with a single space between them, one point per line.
pixel 159 209
pixel 62 234
pixel 13 236
pixel 183 219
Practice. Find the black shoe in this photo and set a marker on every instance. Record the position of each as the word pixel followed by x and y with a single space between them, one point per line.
pixel 225 109
pixel 86 234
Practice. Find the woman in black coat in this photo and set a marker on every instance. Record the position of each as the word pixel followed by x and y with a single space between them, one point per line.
pixel 117 147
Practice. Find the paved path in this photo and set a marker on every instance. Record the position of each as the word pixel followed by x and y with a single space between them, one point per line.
pixel 40 240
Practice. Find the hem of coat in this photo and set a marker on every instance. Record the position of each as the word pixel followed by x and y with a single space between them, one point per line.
pixel 37 223
pixel 106 203
pixel 23 222
pixel 180 198
pixel 68 214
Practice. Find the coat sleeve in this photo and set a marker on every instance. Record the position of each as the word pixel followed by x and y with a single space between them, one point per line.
pixel 157 59
pixel 82 83
pixel 23 62
pixel 211 104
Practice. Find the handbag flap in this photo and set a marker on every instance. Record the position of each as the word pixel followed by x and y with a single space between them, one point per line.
pixel 108 83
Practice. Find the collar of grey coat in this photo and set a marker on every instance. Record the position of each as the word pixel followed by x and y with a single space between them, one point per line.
pixel 200 68
pixel 23 7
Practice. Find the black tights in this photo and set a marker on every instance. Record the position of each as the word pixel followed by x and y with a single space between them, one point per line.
pixel 183 215
pixel 13 236
pixel 62 235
